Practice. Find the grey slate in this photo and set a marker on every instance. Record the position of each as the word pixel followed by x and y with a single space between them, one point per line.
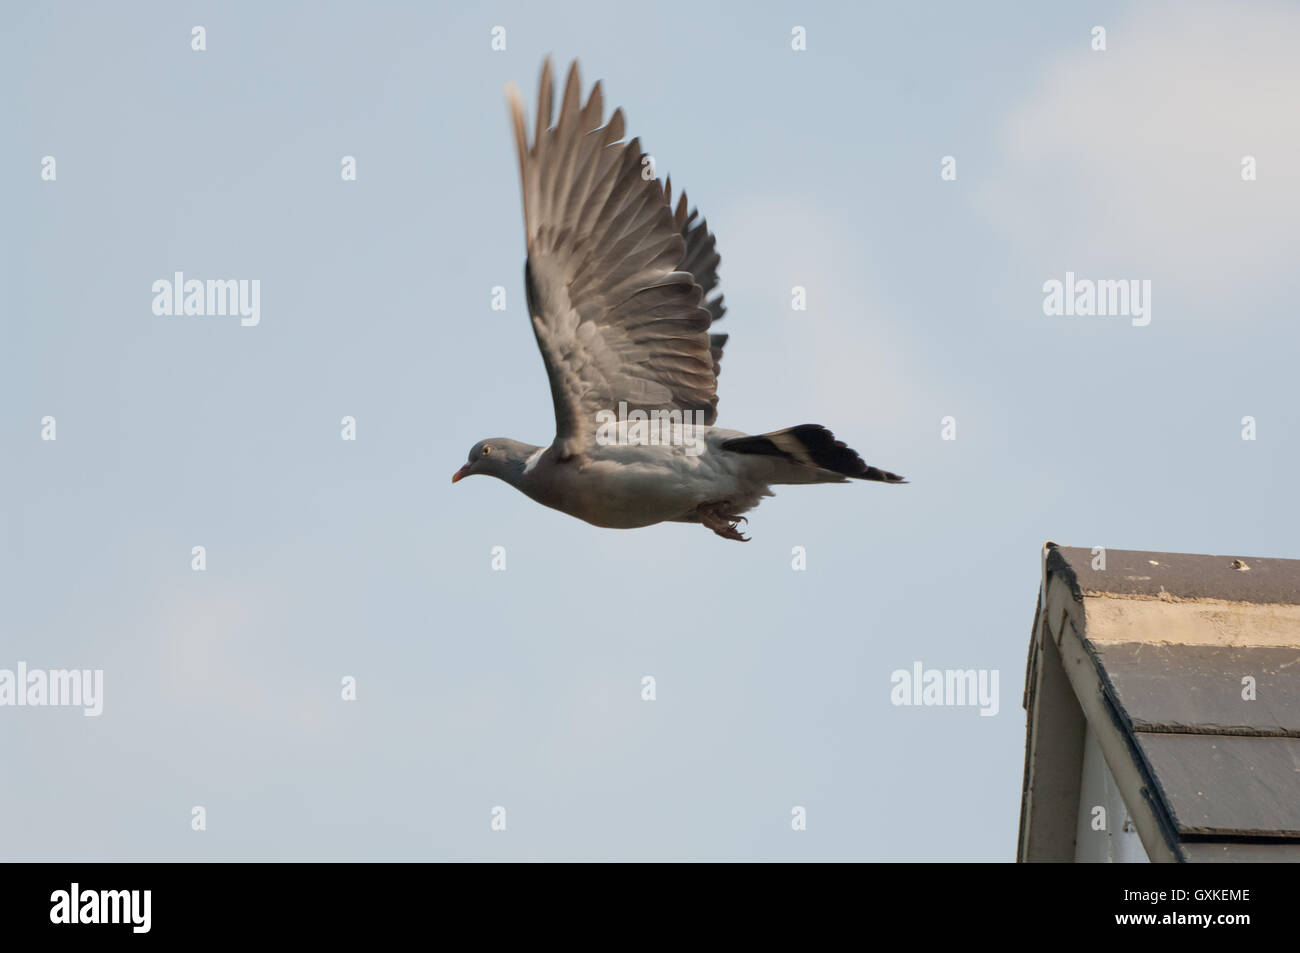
pixel 1132 572
pixel 1241 852
pixel 1198 688
pixel 1227 785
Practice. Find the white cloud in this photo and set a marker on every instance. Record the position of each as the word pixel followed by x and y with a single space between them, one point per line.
pixel 1132 156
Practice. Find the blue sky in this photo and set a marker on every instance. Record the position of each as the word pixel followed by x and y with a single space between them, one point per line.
pixel 478 688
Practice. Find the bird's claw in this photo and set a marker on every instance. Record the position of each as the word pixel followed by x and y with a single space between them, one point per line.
pixel 721 523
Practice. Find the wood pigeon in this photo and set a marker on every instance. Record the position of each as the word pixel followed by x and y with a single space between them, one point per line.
pixel 618 283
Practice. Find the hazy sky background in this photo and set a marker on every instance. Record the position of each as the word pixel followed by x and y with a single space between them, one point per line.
pixel 522 688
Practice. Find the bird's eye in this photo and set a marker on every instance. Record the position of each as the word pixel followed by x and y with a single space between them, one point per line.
pixel 486 451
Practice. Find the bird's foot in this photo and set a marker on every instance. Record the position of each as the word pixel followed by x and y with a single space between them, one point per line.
pixel 724 525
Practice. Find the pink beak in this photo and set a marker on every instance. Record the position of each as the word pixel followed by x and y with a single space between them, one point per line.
pixel 460 474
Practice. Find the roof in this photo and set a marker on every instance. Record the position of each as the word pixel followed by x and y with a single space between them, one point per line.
pixel 1186 669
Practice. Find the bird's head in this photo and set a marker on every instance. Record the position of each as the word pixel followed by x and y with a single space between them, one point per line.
pixel 500 457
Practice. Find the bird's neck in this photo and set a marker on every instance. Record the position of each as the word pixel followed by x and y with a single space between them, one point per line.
pixel 517 472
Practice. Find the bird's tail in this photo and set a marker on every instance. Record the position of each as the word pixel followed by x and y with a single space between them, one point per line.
pixel 811 445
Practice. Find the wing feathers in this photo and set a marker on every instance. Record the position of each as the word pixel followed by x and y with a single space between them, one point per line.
pixel 616 305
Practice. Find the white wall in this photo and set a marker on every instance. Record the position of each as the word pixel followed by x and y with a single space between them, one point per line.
pixel 1118 841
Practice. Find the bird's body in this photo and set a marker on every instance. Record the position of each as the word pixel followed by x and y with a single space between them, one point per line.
pixel 618 283
pixel 625 486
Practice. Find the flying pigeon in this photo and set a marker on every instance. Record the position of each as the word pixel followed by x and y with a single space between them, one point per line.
pixel 618 283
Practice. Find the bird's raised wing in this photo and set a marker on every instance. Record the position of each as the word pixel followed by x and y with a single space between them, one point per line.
pixel 617 319
pixel 701 259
